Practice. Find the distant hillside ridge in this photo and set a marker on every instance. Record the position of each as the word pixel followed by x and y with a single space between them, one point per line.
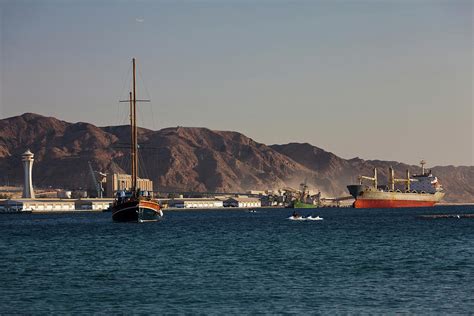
pixel 190 159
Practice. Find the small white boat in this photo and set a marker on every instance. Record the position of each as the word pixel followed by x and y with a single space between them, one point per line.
pixel 317 218
pixel 301 218
pixel 296 218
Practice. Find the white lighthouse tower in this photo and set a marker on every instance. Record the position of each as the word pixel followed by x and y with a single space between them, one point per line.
pixel 28 168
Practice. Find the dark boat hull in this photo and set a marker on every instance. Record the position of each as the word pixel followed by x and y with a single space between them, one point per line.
pixel 137 211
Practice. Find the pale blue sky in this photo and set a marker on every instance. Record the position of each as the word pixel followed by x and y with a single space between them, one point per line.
pixel 387 80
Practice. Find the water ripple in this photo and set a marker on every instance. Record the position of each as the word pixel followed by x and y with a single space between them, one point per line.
pixel 234 262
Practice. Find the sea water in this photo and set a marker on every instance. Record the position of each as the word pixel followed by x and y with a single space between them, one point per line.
pixel 239 262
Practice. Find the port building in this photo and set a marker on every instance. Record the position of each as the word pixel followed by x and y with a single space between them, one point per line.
pixel 19 205
pixel 54 205
pixel 121 181
pixel 93 204
pixel 242 202
pixel 196 203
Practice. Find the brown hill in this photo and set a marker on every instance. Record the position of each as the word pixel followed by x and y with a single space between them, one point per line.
pixel 198 159
pixel 61 149
pixel 188 159
pixel 195 159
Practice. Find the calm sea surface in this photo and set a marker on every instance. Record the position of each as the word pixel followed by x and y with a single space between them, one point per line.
pixel 236 262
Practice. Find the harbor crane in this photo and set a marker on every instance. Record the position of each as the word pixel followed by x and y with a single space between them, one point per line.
pixel 97 184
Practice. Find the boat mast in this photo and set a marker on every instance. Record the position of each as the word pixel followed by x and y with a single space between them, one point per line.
pixel 133 128
pixel 132 143
pixel 134 131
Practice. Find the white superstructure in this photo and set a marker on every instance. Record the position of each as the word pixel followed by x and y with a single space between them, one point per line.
pixel 425 183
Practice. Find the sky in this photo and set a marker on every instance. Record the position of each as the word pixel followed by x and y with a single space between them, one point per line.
pixel 389 80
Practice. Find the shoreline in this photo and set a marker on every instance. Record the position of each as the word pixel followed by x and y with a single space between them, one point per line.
pixel 176 209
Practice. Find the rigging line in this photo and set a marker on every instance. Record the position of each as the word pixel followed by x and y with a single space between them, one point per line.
pixel 140 113
pixel 122 115
pixel 142 119
pixel 126 81
pixel 149 97
pixel 142 166
pixel 122 161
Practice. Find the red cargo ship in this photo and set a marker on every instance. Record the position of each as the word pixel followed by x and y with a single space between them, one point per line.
pixel 421 190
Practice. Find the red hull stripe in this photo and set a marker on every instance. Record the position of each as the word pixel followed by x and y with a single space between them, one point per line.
pixel 362 203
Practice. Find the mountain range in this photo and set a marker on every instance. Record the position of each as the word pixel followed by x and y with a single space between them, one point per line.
pixel 191 159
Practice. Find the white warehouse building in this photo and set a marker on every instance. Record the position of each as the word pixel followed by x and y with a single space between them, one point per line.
pixel 19 205
pixel 196 203
pixel 243 202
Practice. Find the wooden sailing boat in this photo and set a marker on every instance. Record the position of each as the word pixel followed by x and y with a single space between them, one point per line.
pixel 135 205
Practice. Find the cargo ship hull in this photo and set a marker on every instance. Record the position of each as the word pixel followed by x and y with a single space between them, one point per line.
pixel 381 199
pixel 391 203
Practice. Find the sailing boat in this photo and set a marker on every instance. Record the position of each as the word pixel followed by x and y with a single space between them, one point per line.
pixel 135 205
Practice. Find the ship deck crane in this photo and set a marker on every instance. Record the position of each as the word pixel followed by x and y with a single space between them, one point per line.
pixel 373 179
pixel 393 180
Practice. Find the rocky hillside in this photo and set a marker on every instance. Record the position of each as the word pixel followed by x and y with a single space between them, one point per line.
pixel 191 159
pixel 334 172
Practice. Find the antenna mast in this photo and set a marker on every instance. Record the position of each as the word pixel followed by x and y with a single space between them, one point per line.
pixel 423 163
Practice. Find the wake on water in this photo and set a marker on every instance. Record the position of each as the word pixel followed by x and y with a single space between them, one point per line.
pixel 309 218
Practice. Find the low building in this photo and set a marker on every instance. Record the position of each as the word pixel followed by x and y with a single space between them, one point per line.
pixel 195 203
pixel 256 192
pixel 121 181
pixel 43 205
pixel 242 202
pixel 93 204
pixel 268 200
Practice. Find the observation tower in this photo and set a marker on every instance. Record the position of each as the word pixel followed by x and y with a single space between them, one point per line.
pixel 28 159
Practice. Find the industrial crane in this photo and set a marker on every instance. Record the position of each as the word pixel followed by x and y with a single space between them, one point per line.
pixel 97 184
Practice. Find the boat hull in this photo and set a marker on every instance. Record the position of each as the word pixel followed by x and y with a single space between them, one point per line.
pixel 299 204
pixel 363 203
pixel 380 199
pixel 137 211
